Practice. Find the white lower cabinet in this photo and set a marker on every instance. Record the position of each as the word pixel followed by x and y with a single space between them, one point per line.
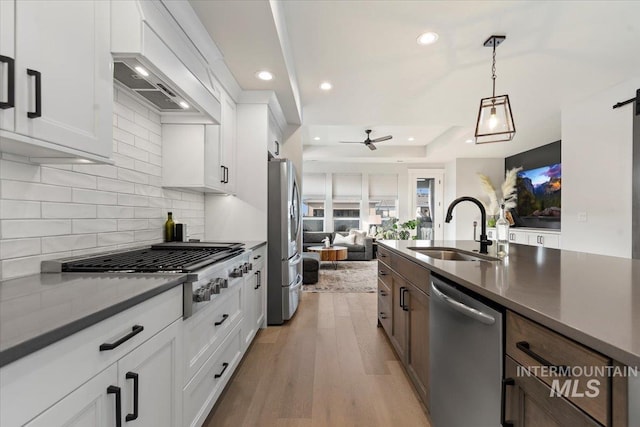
pixel 545 240
pixel 141 387
pixel 532 237
pixel 91 405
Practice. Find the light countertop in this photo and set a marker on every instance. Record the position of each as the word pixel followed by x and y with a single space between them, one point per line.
pixel 593 299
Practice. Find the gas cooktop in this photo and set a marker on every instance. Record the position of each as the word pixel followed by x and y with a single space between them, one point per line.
pixel 183 257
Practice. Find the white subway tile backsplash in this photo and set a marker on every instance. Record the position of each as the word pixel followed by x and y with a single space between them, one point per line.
pixel 83 226
pixel 133 224
pixel 94 197
pixel 10 209
pixel 68 210
pixel 115 212
pixel 18 190
pixel 14 248
pixel 132 176
pixel 54 211
pixel 67 178
pixel 66 243
pixel 116 238
pixel 115 185
pixel 19 171
pixel 132 200
pixel 19 228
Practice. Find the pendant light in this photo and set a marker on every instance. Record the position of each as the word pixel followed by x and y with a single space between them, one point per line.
pixel 495 121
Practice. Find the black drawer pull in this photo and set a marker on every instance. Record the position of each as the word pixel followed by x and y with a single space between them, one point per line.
pixel 11 83
pixel 38 76
pixel 133 376
pixel 403 304
pixel 383 293
pixel 225 365
pixel 526 348
pixel 505 383
pixel 382 255
pixel 134 331
pixel 382 272
pixel 382 315
pixel 223 174
pixel 257 257
pixel 224 318
pixel 116 390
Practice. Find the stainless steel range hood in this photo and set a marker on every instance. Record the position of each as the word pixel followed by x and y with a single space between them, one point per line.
pixel 154 60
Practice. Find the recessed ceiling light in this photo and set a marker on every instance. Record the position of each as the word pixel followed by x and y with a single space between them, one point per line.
pixel 184 105
pixel 469 141
pixel 141 71
pixel 316 138
pixel 326 86
pixel 427 38
pixel 411 139
pixel 264 75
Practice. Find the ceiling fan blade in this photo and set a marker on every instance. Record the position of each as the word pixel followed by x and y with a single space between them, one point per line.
pixel 382 138
pixel 351 142
pixel 371 146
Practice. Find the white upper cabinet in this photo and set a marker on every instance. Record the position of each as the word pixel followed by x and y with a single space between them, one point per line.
pixel 228 144
pixel 274 139
pixel 63 79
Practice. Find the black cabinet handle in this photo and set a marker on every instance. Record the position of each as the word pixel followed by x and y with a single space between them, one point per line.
pixel 134 331
pixel 116 390
pixel 222 168
pixel 382 315
pixel 133 376
pixel 402 289
pixel 257 280
pixel 382 272
pixel 257 257
pixel 277 148
pixel 526 348
pixel 224 318
pixel 224 368
pixel 404 302
pixel 38 76
pixel 11 82
pixel 383 293
pixel 505 383
pixel 226 175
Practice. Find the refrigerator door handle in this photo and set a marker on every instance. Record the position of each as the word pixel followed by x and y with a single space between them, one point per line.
pixel 298 282
pixel 296 259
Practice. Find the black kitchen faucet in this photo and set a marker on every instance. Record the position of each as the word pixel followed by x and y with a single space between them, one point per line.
pixel 484 242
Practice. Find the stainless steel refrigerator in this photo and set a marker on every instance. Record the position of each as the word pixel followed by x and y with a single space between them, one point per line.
pixel 284 257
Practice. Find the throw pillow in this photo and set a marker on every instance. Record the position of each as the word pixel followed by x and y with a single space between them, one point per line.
pixel 359 236
pixel 339 239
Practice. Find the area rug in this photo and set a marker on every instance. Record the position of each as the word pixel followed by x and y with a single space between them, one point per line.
pixel 350 276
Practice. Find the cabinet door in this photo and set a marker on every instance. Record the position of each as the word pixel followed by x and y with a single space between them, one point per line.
pixel 544 240
pixel 90 405
pixel 418 334
pixel 228 137
pixel 7 65
pixel 520 237
pixel 155 369
pixel 260 307
pixel 250 295
pixel 399 314
pixel 528 403
pixel 68 44
pixel 213 172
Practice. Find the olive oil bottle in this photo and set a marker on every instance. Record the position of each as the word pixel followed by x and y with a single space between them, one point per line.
pixel 169 229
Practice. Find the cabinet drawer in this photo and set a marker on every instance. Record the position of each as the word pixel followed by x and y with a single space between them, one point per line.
pixel 384 292
pixel 528 402
pixel 384 273
pixel 518 237
pixel 545 240
pixel 201 393
pixel 384 255
pixel 203 336
pixel 531 345
pixel 414 273
pixel 49 370
pixel 258 257
pixel 384 315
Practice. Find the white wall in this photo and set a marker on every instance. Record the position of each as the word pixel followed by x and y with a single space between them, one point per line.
pixel 468 184
pixel 597 172
pixel 449 195
pixel 53 211
pixel 244 216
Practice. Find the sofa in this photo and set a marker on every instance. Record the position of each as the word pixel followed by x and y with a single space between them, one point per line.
pixel 354 252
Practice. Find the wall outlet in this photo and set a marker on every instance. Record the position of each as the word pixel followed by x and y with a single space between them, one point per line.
pixel 582 217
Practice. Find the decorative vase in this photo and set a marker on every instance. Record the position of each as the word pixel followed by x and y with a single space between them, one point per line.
pixel 491 220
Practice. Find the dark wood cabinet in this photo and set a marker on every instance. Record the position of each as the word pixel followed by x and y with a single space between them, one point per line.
pixel 528 403
pixel 399 328
pixel 417 358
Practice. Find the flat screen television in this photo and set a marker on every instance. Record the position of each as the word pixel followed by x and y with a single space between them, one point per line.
pixel 540 193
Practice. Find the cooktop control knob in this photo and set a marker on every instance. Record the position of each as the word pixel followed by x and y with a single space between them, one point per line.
pixel 224 283
pixel 245 267
pixel 215 289
pixel 250 266
pixel 201 295
pixel 237 272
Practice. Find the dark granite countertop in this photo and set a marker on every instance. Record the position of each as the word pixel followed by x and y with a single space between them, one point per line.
pixel 38 310
pixel 593 299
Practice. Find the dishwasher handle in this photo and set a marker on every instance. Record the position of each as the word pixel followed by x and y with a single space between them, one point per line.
pixel 462 308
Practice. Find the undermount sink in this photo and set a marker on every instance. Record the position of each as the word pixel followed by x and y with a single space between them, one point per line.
pixel 452 254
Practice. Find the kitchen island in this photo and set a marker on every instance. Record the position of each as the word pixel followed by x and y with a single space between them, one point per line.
pixel 590 299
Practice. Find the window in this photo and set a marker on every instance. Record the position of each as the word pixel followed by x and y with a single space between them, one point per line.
pixel 386 209
pixel 312 215
pixel 346 215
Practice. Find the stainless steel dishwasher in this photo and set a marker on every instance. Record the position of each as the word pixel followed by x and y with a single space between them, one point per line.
pixel 465 341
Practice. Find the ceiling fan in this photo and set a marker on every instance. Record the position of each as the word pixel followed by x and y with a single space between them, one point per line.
pixel 369 142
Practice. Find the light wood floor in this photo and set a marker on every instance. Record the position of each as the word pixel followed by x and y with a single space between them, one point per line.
pixel 329 366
